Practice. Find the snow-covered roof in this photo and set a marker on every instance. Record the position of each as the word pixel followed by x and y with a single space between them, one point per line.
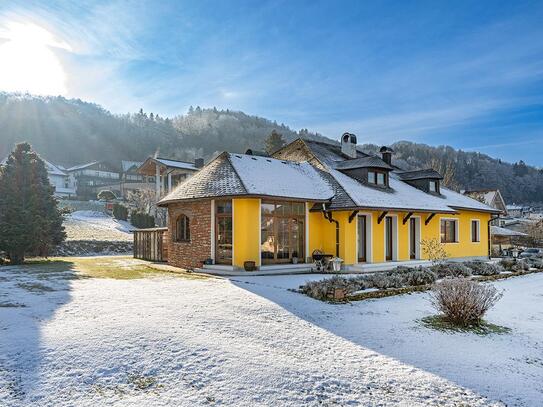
pixel 246 175
pixel 420 174
pixel 52 169
pixel 460 201
pixel 289 179
pixel 498 231
pixel 362 162
pixel 176 164
pixel 399 196
pixel 82 166
pixel 127 165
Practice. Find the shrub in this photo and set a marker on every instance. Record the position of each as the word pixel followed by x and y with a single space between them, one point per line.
pixel 482 268
pixel 451 270
pixel 383 281
pixel 463 302
pixel 421 276
pixel 106 195
pixel 320 289
pixel 536 263
pixel 396 278
pixel 507 264
pixel 120 211
pixel 141 220
pixel 434 250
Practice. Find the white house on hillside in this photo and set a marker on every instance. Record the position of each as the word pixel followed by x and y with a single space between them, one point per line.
pixel 59 179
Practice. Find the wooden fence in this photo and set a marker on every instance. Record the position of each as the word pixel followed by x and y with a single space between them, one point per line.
pixel 151 244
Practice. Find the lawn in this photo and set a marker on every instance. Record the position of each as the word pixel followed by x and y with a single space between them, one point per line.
pixel 103 331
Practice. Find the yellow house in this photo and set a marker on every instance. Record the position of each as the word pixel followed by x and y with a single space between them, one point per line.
pixel 276 211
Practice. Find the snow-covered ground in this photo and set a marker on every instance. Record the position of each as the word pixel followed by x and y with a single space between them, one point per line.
pixel 91 225
pixel 250 342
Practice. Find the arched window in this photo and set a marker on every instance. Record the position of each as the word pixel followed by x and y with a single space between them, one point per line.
pixel 182 229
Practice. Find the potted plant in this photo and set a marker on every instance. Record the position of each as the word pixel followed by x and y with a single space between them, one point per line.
pixel 249 265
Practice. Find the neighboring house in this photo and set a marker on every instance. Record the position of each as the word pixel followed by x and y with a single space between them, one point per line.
pixel 517 211
pixel 93 177
pixel 318 196
pixel 59 179
pixel 167 173
pixel 503 238
pixel 518 224
pixel 132 180
pixel 491 197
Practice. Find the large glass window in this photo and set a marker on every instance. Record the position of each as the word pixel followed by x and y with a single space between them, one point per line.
pixel 223 232
pixel 282 232
pixel 449 231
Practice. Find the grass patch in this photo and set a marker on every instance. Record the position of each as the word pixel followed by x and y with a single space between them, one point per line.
pixel 123 268
pixel 142 382
pixel 440 323
pixel 116 267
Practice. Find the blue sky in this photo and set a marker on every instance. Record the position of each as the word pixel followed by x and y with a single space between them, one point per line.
pixel 467 74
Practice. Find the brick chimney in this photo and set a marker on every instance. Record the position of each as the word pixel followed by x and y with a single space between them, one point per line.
pixel 199 162
pixel 386 154
pixel 348 145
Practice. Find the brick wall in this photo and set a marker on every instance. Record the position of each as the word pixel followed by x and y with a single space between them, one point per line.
pixel 189 255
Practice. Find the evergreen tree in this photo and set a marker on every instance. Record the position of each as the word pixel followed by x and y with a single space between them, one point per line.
pixel 274 142
pixel 30 221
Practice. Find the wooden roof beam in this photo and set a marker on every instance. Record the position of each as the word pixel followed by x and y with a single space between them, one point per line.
pixel 429 218
pixel 406 217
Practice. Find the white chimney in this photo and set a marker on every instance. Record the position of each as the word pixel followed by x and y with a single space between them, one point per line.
pixel 348 145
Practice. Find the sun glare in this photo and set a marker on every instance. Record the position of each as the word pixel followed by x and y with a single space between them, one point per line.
pixel 27 61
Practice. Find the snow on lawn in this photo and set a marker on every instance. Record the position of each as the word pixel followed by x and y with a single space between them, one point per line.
pixel 174 341
pixel 91 225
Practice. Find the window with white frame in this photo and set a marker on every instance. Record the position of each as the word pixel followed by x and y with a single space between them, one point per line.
pixel 449 230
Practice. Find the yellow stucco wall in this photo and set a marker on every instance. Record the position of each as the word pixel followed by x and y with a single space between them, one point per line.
pixel 246 230
pixel 464 247
pixel 322 234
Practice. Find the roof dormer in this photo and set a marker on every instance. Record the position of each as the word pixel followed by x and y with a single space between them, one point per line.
pixel 368 170
pixel 425 180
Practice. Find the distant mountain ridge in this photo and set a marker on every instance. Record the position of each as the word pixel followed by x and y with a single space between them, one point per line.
pixel 71 131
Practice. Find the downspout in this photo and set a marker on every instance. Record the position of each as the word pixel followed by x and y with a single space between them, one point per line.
pixel 489 236
pixel 328 216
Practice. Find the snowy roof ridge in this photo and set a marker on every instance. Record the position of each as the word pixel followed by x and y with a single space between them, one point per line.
pixel 232 174
pixel 268 176
pixel 82 166
pixel 401 196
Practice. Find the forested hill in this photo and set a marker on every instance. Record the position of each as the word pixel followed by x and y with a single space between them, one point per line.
pixel 518 182
pixel 70 131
